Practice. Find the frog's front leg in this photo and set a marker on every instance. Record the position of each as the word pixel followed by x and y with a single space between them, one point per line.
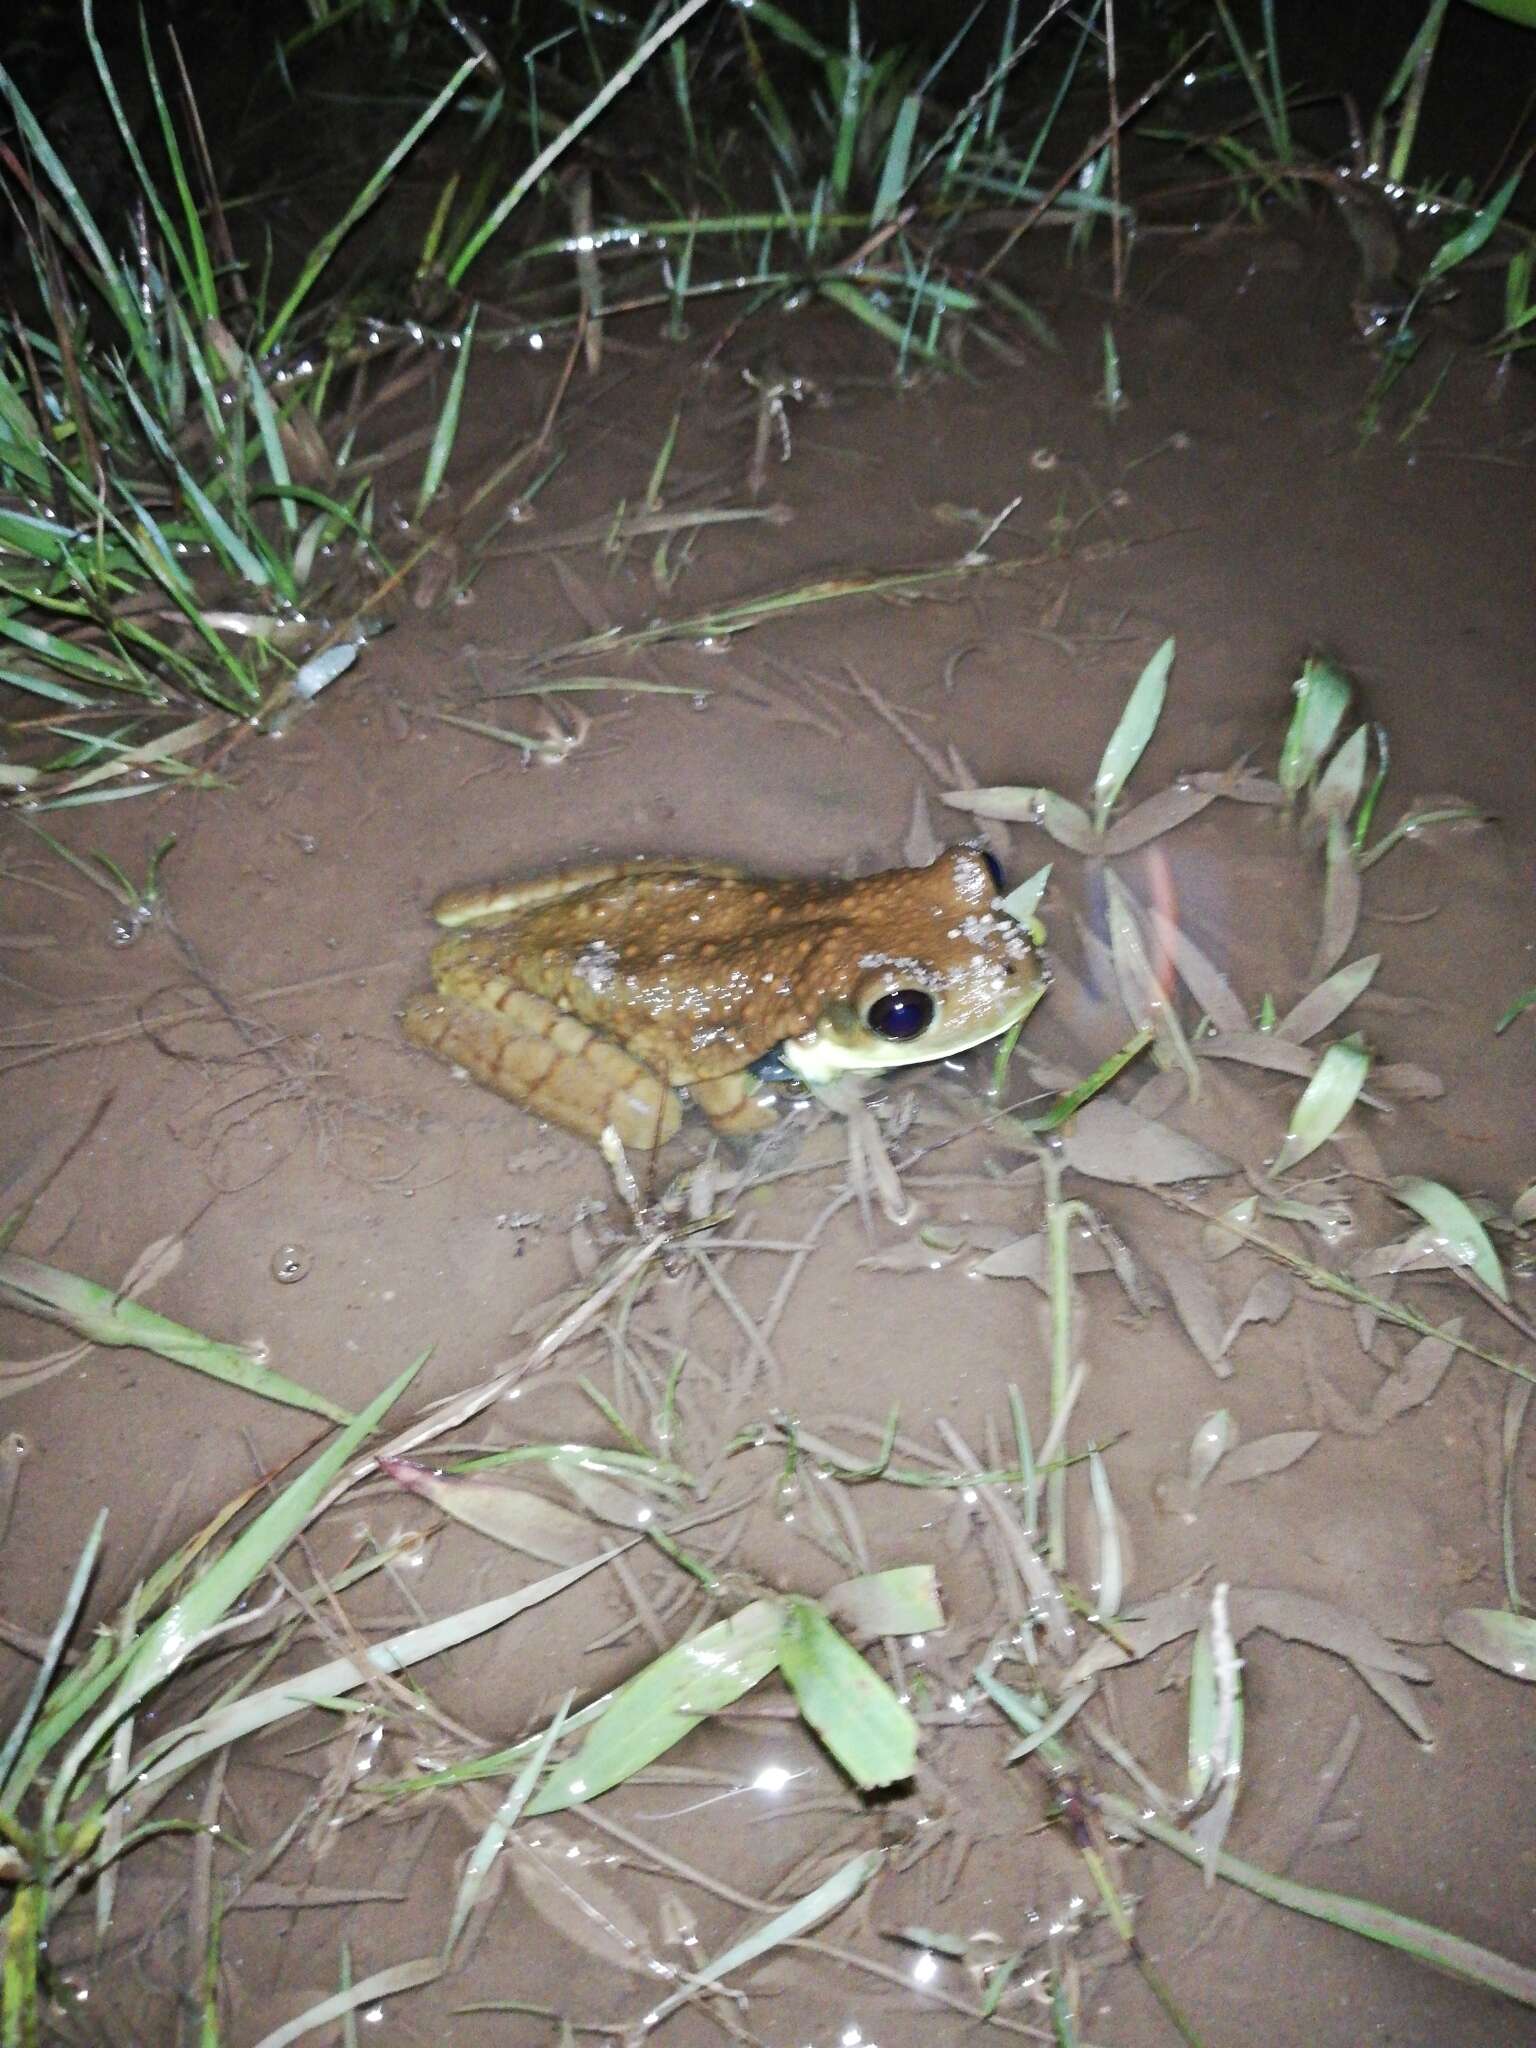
pixel 549 1062
pixel 734 1105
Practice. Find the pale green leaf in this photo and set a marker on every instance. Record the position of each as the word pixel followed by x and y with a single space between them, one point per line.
pixel 1068 823
pixel 829 1897
pixel 1128 742
pixel 1460 1235
pixel 901 1602
pixel 856 1714
pixel 665 1702
pixel 1327 1099
pixel 1503 1641
pixel 511 1515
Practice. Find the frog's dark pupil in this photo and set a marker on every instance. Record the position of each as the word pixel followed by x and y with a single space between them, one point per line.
pixel 999 882
pixel 903 1014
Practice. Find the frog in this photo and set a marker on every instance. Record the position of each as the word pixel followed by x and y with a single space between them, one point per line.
pixel 592 995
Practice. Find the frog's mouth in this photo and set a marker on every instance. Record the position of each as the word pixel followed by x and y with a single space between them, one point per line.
pixel 901 1028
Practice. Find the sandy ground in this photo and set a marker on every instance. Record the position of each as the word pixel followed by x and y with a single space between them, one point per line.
pixel 285 1127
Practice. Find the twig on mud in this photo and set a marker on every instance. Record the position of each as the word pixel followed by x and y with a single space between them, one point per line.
pixel 116 1033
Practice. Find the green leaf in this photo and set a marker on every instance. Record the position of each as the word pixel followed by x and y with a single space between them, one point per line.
pixel 1476 232
pixel 1459 1232
pixel 665 1702
pixel 893 175
pixel 1128 742
pixel 1327 1099
pixel 852 1709
pixel 1322 697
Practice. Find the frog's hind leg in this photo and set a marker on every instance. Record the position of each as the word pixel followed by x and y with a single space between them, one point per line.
pixel 549 1063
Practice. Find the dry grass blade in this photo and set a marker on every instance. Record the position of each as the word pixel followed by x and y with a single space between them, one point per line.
pixel 510 1515
pixel 1324 1004
pixel 1341 901
pixel 792 1924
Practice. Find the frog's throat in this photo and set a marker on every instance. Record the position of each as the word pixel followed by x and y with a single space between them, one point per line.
pixel 842 1045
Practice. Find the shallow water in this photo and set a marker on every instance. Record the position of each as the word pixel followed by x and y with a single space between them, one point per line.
pixel 1231 505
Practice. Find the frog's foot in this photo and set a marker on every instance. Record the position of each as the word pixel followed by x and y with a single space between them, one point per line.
pixel 734 1104
pixel 548 1062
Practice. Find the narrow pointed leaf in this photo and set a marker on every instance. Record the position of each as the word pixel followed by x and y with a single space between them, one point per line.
pixel 665 1702
pixel 1322 697
pixel 523 1521
pixel 1128 741
pixel 1067 823
pixel 1324 1004
pixel 1327 1099
pixel 1459 1233
pixel 1159 814
pixel 829 1897
pixel 1338 788
pixel 106 1317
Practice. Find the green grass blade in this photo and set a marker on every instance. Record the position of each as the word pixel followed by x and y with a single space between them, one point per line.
pixel 1356 1916
pixel 1325 1102
pixel 1476 232
pixel 320 256
pixel 168 1642
pixel 665 1702
pixel 829 1897
pixel 104 1317
pixel 448 420
pixel 48 1664
pixel 529 178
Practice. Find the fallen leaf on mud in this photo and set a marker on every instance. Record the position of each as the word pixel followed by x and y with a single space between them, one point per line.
pixel 1297 1617
pixel 1028 1258
pixel 1267 1301
pixel 1503 1641
pixel 1415 1379
pixel 1107 1141
pixel 1267 1454
pixel 1199 1311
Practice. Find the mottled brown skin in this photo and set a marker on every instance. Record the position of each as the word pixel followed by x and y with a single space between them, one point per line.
pixel 589 995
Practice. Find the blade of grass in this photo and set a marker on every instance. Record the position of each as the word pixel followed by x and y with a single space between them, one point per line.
pixel 105 1317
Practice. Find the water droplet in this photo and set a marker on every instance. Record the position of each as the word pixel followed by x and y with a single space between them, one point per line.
pixel 306 842
pixel 290 1263
pixel 122 931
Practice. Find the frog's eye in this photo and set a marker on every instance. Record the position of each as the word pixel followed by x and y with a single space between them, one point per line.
pixel 993 868
pixel 901 1015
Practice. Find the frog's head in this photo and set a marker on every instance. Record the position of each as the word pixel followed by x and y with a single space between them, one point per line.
pixel 940 966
